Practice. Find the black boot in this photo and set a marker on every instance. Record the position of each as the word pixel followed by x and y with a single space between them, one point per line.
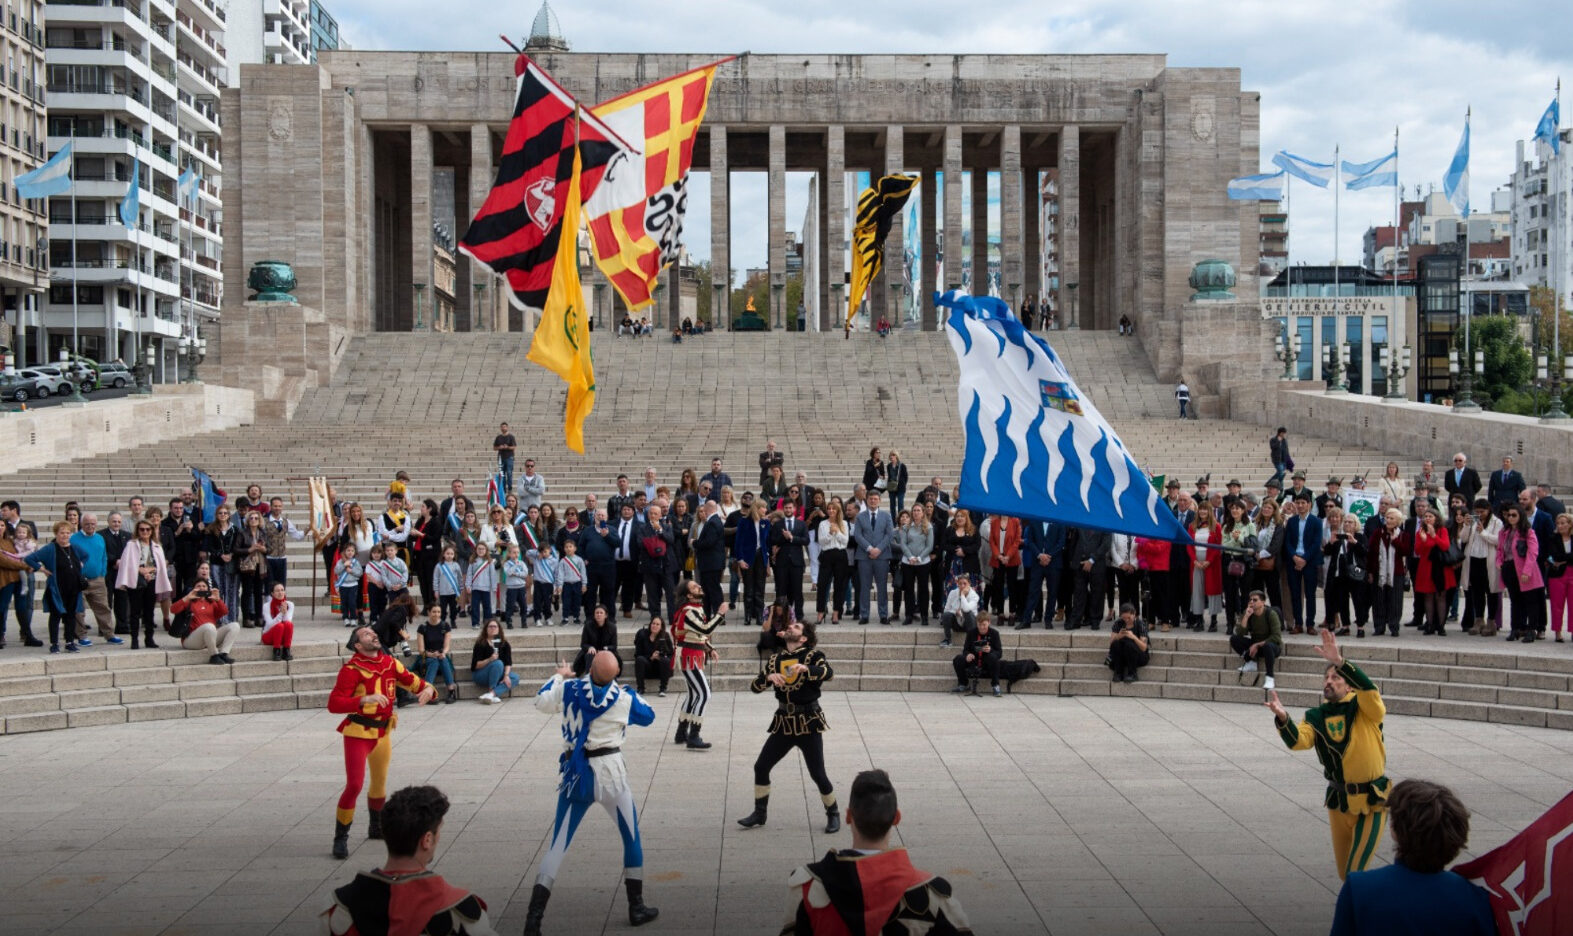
pixel 758 816
pixel 374 823
pixel 532 917
pixel 832 820
pixel 696 743
pixel 147 641
pixel 341 840
pixel 638 913
pixel 278 654
pixel 288 656
pixel 682 733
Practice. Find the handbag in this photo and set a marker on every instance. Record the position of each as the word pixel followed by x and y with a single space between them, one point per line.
pixel 1235 568
pixel 180 625
pixel 688 563
pixel 250 563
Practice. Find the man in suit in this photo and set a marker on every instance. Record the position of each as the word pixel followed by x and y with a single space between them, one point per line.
pixel 657 559
pixel 874 533
pixel 805 490
pixel 626 533
pixel 1548 503
pixel 599 551
pixel 1505 485
pixel 1042 548
pixel 624 495
pixel 1332 497
pixel 936 491
pixel 1462 479
pixel 1090 564
pixel 710 554
pixel 115 537
pixel 751 549
pixel 1427 478
pixel 1180 561
pixel 447 507
pixel 789 547
pixel 770 458
pixel 1302 554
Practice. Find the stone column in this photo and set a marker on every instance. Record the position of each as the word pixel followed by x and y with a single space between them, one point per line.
pixel 980 231
pixel 926 280
pixel 835 230
pixel 1032 237
pixel 720 231
pixel 952 169
pixel 777 315
pixel 1011 277
pixel 477 306
pixel 1068 232
pixel 895 162
pixel 420 223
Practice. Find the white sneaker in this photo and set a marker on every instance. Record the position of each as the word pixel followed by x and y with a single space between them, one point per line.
pixel 1267 684
pixel 489 698
pixel 1249 666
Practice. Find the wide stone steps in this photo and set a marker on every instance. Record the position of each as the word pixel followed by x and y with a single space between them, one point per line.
pixel 1471 681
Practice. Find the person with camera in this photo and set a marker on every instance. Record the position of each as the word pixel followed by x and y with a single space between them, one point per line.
pixel 1128 645
pixel 653 655
pixel 1346 571
pixel 981 652
pixel 491 663
pixel 208 627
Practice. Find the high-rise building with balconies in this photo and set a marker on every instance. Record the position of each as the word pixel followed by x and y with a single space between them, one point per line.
pixel 279 32
pixel 24 274
pixel 134 87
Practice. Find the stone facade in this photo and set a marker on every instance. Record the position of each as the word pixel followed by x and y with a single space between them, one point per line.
pixel 333 165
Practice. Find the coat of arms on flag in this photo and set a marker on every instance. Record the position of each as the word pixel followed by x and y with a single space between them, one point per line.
pixel 1061 396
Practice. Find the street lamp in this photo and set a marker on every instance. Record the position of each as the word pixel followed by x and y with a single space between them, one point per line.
pixel 1335 359
pixel 1466 379
pixel 76 383
pixel 1556 413
pixel 1287 352
pixel 144 368
pixel 420 294
pixel 1397 367
pixel 1073 326
pixel 194 349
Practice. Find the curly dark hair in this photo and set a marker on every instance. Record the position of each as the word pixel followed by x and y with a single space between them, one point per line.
pixel 408 815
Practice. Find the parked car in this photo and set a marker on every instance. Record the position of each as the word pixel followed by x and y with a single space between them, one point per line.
pixel 115 374
pixel 50 380
pixel 23 388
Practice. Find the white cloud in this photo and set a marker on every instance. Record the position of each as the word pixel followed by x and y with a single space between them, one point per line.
pixel 1328 72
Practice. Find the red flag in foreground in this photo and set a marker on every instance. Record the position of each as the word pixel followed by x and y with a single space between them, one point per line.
pixel 1530 878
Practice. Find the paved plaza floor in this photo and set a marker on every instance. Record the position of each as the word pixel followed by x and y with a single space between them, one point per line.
pixel 1049 815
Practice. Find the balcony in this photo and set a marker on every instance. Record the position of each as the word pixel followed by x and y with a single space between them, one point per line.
pixel 202 35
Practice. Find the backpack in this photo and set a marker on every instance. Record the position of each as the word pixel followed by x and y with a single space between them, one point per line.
pixel 1016 670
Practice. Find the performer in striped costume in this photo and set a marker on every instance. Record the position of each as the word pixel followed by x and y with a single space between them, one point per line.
pixel 691 630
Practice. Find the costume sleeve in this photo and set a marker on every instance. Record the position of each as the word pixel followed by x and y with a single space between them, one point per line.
pixel 406 679
pixel 697 621
pixel 1367 695
pixel 344 699
pixel 1298 736
pixel 639 711
pixel 818 667
pixel 549 698
pixel 797 922
pixel 761 681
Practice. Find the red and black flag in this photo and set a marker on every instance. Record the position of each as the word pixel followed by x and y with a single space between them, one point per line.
pixel 516 232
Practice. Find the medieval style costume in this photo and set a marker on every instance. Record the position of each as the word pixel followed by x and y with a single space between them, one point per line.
pixel 798 723
pixel 691 629
pixel 395 523
pixel 851 892
pixel 420 904
pixel 366 729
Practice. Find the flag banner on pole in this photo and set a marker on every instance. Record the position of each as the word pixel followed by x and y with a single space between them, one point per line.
pixel 1455 182
pixel 130 209
pixel 187 185
pixel 1036 447
pixel 208 495
pixel 1550 122
pixel 1362 504
pixel 52 178
pixel 516 231
pixel 877 207
pixel 322 523
pixel 1318 174
pixel 562 340
pixel 1268 186
pixel 1521 876
pixel 636 214
pixel 1373 174
pixel 496 491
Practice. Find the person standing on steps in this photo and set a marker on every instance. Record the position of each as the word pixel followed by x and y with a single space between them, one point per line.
pixel 363 694
pixel 1278 453
pixel 691 630
pixel 874 533
pixel 1346 733
pixel 596 713
pixel 1182 393
pixel 504 445
pixel 796 675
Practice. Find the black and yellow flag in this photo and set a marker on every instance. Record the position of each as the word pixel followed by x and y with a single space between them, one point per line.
pixel 562 341
pixel 877 207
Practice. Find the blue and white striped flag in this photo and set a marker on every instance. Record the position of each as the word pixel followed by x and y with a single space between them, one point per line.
pixel 1268 186
pixel 52 178
pixel 1318 174
pixel 130 209
pixel 1550 123
pixel 1455 182
pixel 1036 447
pixel 188 185
pixel 1373 174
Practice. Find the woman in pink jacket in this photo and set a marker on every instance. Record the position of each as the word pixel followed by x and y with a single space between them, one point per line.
pixel 1518 553
pixel 143 576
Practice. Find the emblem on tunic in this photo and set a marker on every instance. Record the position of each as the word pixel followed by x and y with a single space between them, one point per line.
pixel 1337 728
pixel 540 201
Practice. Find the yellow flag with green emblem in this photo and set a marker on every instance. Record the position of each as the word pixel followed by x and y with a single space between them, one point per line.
pixel 562 340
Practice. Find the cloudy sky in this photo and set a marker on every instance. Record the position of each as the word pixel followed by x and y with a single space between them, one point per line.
pixel 1329 72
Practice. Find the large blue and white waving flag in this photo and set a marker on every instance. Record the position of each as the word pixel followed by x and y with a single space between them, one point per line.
pixel 1550 122
pixel 1036 447
pixel 1455 182
pixel 1269 186
pixel 130 208
pixel 52 178
pixel 1318 174
pixel 1373 174
pixel 187 185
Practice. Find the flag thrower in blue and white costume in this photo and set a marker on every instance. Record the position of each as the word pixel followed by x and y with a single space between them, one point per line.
pixel 596 714
pixel 1036 447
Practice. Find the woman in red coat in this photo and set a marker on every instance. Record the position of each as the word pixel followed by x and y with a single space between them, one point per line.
pixel 1433 577
pixel 1152 557
pixel 1206 570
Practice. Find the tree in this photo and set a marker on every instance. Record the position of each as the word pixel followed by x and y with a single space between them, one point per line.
pixel 1509 365
pixel 706 289
pixel 1541 302
pixel 794 295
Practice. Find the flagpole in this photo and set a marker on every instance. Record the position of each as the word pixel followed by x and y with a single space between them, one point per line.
pixel 1398 313
pixel 1337 184
pixel 75 341
pixel 1469 306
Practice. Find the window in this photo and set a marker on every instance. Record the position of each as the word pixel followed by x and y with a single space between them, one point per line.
pixel 1379 340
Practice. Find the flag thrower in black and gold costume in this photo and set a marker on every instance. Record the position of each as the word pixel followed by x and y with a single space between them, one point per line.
pixel 796 673
pixel 877 207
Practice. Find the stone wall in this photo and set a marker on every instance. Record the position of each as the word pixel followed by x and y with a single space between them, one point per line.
pixel 58 434
pixel 278 349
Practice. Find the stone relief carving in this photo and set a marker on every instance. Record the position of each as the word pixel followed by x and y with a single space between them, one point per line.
pixel 281 119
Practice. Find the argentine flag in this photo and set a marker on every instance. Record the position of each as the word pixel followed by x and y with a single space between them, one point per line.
pixel 130 209
pixel 1547 130
pixel 52 178
pixel 1373 174
pixel 1455 182
pixel 1318 174
pixel 187 184
pixel 1268 186
pixel 1036 447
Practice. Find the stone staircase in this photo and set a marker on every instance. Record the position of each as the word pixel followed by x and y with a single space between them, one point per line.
pixel 1467 679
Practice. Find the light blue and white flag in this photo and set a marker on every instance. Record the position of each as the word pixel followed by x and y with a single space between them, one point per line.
pixel 1318 174
pixel 130 209
pixel 187 185
pixel 1455 182
pixel 52 178
pixel 1036 447
pixel 1268 186
pixel 1373 174
pixel 1550 122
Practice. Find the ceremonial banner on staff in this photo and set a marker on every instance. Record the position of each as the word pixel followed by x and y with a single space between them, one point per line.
pixel 1521 876
pixel 322 523
pixel 562 340
pixel 209 496
pixel 1362 504
pixel 636 215
pixel 877 207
